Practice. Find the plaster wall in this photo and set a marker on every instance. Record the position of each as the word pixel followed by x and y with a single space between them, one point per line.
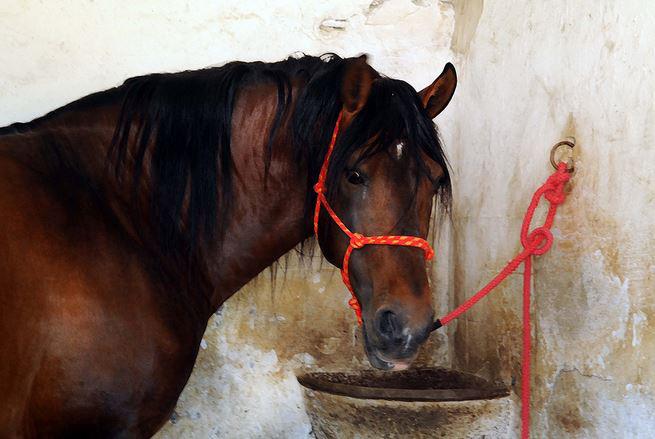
pixel 530 74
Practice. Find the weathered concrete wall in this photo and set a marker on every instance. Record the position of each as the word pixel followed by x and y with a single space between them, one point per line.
pixel 530 73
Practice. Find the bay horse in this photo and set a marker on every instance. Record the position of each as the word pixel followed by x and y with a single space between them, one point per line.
pixel 130 215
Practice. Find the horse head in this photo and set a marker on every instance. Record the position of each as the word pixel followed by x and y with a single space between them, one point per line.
pixel 381 179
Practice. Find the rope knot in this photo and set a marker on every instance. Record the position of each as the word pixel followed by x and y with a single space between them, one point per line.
pixel 319 188
pixel 354 304
pixel 555 196
pixel 560 177
pixel 539 240
pixel 357 241
pixel 554 187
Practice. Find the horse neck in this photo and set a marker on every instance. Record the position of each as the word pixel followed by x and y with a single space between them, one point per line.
pixel 268 215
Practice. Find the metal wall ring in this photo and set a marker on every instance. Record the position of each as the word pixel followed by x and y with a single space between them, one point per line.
pixel 569 163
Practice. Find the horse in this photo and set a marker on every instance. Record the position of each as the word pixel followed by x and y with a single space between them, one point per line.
pixel 130 215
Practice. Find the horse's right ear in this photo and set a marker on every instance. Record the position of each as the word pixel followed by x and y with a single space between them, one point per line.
pixel 356 85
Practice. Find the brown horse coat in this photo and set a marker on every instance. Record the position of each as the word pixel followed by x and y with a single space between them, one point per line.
pixel 99 330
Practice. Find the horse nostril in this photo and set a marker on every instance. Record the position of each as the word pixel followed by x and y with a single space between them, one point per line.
pixel 389 326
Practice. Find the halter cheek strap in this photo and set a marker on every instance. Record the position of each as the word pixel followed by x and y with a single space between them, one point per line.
pixel 357 240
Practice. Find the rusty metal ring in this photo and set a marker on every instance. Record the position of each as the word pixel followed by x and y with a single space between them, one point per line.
pixel 569 162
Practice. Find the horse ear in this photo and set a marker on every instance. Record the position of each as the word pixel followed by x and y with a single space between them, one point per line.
pixel 356 84
pixel 437 95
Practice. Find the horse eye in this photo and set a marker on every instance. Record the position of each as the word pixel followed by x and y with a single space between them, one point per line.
pixel 355 177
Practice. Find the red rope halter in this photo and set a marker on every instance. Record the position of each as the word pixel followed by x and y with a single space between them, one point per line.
pixel 356 240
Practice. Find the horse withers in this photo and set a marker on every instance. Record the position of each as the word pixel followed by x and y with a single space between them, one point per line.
pixel 130 215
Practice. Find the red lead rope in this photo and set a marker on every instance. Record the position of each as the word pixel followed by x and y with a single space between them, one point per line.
pixel 536 242
pixel 356 240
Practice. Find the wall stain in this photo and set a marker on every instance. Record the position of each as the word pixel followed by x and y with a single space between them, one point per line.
pixel 467 17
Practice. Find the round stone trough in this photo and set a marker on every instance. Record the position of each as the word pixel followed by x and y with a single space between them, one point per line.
pixel 416 403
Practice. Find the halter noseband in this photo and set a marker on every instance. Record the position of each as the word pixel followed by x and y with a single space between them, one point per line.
pixel 357 240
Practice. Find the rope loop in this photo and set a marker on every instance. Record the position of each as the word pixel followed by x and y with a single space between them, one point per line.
pixel 319 188
pixel 540 240
pixel 553 191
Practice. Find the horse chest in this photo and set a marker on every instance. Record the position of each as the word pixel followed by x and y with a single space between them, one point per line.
pixel 117 376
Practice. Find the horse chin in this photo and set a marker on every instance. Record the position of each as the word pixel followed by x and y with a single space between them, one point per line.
pixel 379 361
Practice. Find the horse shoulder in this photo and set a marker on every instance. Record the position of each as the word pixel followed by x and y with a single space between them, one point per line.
pixel 84 334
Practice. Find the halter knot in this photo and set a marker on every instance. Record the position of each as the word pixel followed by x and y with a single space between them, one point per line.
pixel 357 241
pixel 319 188
pixel 354 305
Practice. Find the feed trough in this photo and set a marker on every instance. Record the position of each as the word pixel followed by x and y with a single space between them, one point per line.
pixel 417 403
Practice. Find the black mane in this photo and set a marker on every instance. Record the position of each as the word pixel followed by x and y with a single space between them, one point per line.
pixel 183 120
pixel 173 136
